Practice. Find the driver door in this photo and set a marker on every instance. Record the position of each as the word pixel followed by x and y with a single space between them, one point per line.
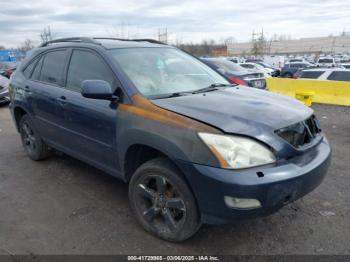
pixel 89 125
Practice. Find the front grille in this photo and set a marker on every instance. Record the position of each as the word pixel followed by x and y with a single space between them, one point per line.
pixel 302 133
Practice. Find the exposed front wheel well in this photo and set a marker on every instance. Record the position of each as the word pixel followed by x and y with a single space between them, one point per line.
pixel 18 113
pixel 137 155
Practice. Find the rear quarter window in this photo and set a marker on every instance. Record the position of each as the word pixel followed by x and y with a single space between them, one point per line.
pixel 311 74
pixel 339 76
pixel 37 69
pixel 29 69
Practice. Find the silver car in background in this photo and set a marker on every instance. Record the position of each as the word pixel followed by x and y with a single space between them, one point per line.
pixel 4 90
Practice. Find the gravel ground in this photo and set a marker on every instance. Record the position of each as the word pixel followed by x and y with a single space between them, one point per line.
pixel 63 206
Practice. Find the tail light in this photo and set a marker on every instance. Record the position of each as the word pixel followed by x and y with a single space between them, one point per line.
pixel 238 81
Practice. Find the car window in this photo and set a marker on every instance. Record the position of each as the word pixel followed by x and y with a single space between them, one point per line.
pixel 52 68
pixel 227 66
pixel 247 66
pixel 311 74
pixel 85 65
pixel 325 60
pixel 339 76
pixel 29 69
pixel 37 69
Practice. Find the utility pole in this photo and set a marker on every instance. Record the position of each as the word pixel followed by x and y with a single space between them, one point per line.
pixel 163 35
pixel 258 41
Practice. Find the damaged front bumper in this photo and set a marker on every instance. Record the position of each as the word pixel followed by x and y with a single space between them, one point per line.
pixel 272 186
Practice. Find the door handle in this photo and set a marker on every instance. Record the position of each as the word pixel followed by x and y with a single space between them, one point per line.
pixel 62 100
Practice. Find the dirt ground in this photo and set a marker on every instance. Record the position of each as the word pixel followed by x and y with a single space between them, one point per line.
pixel 63 206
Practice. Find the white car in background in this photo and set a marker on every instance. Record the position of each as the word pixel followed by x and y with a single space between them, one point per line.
pixel 326 62
pixel 333 74
pixel 267 71
pixel 235 59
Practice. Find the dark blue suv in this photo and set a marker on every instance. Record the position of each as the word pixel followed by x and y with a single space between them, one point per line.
pixel 194 148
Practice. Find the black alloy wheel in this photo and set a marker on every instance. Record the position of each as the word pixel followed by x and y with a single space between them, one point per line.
pixel 162 201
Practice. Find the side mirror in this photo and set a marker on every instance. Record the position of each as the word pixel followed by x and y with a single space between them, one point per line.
pixel 97 89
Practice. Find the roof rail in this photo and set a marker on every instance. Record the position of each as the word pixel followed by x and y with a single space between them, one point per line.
pixel 71 39
pixel 136 40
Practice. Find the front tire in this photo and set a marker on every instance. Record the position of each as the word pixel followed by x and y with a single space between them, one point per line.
pixel 32 143
pixel 162 202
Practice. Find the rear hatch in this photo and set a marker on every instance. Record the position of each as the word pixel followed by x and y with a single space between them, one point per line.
pixel 255 79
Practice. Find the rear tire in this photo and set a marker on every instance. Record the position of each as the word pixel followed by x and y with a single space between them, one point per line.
pixel 32 143
pixel 162 202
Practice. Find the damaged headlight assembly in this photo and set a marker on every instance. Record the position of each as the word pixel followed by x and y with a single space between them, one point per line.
pixel 236 152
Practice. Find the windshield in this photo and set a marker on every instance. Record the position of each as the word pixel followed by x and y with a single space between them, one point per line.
pixel 161 71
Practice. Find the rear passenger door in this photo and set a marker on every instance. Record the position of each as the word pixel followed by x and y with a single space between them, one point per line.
pixel 41 90
pixel 89 125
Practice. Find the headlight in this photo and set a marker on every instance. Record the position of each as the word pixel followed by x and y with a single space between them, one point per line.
pixel 236 152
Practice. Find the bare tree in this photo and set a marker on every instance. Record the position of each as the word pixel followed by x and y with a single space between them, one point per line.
pixel 259 45
pixel 46 35
pixel 26 45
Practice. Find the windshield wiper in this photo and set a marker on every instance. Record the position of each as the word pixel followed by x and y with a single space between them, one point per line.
pixel 212 87
pixel 176 94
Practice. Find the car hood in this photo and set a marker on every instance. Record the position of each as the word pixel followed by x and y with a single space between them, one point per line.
pixel 240 110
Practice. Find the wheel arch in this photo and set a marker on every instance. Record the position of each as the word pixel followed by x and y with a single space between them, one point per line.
pixel 18 113
pixel 139 153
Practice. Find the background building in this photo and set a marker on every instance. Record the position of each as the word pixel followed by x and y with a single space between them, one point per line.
pixel 331 44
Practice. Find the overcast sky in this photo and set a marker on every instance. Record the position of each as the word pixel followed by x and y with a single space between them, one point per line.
pixel 187 21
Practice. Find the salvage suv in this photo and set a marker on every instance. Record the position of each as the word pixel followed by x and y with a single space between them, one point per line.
pixel 194 148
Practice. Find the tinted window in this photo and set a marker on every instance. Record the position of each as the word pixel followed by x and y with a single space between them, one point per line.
pixel 340 76
pixel 325 60
pixel 37 69
pixel 247 66
pixel 87 66
pixel 29 69
pixel 52 68
pixel 226 66
pixel 311 74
